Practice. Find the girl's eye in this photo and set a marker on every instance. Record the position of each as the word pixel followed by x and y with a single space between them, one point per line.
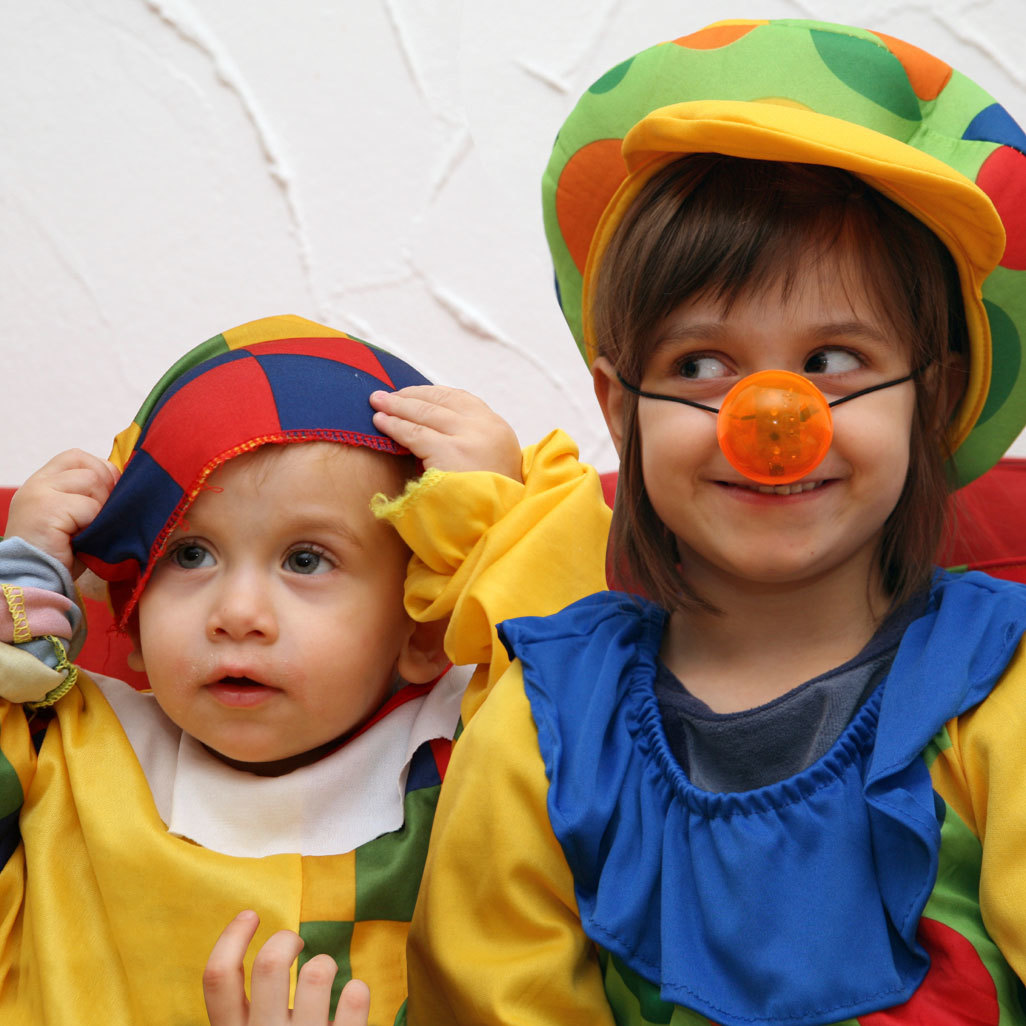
pixel 832 361
pixel 191 557
pixel 306 561
pixel 701 368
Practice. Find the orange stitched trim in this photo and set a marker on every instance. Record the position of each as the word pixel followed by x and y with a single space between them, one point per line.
pixel 16 604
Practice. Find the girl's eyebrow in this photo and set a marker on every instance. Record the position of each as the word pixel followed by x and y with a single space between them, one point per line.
pixel 851 329
pixel 700 331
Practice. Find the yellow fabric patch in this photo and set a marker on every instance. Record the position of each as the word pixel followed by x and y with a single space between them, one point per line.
pixel 329 888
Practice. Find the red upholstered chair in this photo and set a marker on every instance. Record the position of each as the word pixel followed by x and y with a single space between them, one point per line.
pixel 105 651
pixel 988 533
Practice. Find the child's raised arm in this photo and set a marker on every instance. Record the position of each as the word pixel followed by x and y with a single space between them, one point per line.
pixel 224 982
pixel 41 626
pixel 58 501
pixel 495 532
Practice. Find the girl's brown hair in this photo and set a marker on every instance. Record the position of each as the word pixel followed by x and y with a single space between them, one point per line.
pixel 715 227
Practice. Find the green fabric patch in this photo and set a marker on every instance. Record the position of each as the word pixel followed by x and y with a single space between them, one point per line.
pixel 869 70
pixel 1007 356
pixel 389 868
pixel 612 78
pixel 329 938
pixel 11 795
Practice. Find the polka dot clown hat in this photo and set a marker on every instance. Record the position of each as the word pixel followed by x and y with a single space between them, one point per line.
pixel 276 380
pixel 904 121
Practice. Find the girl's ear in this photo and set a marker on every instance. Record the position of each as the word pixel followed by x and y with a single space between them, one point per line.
pixel 422 657
pixel 957 376
pixel 609 393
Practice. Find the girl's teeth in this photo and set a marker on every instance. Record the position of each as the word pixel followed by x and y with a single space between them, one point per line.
pixel 791 489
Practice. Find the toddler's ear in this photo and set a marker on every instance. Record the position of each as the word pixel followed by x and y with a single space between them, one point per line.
pixel 135 657
pixel 423 657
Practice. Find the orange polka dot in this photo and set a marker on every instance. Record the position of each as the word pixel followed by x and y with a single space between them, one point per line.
pixel 715 36
pixel 927 74
pixel 586 185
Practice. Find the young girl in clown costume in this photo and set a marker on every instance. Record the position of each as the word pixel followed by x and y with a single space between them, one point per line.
pixel 788 788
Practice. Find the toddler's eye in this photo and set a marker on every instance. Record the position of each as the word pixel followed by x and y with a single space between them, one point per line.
pixel 191 557
pixel 700 368
pixel 832 361
pixel 306 561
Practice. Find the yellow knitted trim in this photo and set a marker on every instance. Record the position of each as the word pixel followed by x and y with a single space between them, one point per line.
pixel 16 604
pixel 385 508
pixel 62 664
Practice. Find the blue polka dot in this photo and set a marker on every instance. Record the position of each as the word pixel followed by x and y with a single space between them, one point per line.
pixel 994 124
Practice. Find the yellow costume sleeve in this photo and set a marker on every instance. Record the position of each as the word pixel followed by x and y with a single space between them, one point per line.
pixel 487 548
pixel 496 936
pixel 990 757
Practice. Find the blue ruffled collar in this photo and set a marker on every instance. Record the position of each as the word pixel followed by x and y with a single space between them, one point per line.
pixel 793 903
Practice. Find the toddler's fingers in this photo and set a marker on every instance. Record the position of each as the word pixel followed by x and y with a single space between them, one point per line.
pixel 313 992
pixel 416 437
pixel 224 979
pixel 353 1004
pixel 77 464
pixel 269 983
pixel 433 406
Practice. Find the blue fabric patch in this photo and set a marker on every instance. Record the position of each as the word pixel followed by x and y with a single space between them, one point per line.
pixel 994 124
pixel 311 392
pixel 794 903
pixel 423 770
pixel 134 515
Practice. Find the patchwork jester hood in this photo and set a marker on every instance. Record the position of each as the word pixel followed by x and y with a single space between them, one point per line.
pixel 272 381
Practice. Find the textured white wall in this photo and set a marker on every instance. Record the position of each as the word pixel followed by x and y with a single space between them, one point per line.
pixel 171 168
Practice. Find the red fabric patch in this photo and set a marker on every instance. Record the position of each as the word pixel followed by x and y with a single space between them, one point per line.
pixel 957 991
pixel 1003 178
pixel 442 751
pixel 342 350
pixel 208 416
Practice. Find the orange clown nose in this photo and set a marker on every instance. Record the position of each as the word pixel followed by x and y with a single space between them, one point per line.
pixel 774 426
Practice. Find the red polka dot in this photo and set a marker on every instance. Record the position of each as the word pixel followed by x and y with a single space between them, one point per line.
pixel 586 185
pixel 927 74
pixel 1003 178
pixel 957 991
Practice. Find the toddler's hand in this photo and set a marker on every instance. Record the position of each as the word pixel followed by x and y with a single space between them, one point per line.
pixel 58 501
pixel 224 983
pixel 448 428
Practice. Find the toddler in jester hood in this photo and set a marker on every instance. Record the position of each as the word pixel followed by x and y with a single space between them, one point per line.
pixel 289 754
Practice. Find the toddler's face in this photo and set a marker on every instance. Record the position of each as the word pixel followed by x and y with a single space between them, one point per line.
pixel 274 623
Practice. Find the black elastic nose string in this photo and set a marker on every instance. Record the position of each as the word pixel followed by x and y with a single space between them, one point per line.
pixel 711 409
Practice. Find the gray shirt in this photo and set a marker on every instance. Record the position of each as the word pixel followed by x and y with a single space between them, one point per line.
pixel 740 751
